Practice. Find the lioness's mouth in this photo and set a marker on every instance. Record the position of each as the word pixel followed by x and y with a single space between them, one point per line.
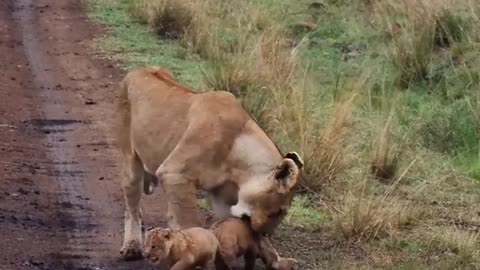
pixel 246 218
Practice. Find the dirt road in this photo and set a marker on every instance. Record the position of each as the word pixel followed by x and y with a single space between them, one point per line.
pixel 61 205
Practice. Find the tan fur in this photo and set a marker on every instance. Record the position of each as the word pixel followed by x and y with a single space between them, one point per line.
pixel 187 141
pixel 237 239
pixel 181 249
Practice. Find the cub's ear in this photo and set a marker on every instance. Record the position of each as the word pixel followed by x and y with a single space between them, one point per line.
pixel 296 158
pixel 286 174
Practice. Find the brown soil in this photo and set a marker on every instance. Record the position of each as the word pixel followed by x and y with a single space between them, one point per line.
pixel 61 206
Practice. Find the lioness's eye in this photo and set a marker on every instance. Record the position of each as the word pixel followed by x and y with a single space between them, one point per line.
pixel 154 247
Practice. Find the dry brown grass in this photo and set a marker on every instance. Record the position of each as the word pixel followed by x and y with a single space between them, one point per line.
pixel 385 154
pixel 417 28
pixel 359 216
pixel 186 20
pixel 412 25
pixel 326 150
pixel 266 75
pixel 259 71
pixel 464 244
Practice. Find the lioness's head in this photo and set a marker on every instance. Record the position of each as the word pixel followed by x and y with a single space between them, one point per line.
pixel 158 243
pixel 266 199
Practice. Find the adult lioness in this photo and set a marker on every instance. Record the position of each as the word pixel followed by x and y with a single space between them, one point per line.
pixel 189 141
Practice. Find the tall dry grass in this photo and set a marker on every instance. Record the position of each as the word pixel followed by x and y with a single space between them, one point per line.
pixel 259 70
pixel 417 28
pixel 411 25
pixel 327 150
pixel 185 20
pixel 267 77
pixel 385 153
pixel 360 216
pixel 362 212
pixel 465 244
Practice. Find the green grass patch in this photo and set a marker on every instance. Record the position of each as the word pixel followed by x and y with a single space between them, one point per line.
pixel 135 45
pixel 471 165
pixel 203 203
pixel 303 213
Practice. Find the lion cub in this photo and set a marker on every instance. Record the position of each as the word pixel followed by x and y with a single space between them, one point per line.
pixel 237 239
pixel 181 249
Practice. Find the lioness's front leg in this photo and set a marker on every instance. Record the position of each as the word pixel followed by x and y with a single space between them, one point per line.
pixel 132 190
pixel 182 202
pixel 219 206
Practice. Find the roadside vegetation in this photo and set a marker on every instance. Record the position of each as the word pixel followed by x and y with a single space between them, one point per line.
pixel 381 98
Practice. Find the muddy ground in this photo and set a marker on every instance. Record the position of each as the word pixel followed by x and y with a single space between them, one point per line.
pixel 60 203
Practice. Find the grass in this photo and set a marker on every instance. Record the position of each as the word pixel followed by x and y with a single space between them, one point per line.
pixel 463 244
pixel 411 26
pixel 364 214
pixel 381 99
pixel 134 45
pixel 304 214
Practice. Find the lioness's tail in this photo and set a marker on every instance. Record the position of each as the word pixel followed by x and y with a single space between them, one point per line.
pixel 122 119
pixel 220 263
pixel 122 133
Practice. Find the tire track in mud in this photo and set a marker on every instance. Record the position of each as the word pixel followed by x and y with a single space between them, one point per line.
pixel 70 176
pixel 72 96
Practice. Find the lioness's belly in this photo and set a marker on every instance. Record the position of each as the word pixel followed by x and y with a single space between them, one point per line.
pixel 155 134
pixel 153 150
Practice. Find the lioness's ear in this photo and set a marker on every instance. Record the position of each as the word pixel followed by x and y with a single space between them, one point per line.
pixel 296 158
pixel 286 173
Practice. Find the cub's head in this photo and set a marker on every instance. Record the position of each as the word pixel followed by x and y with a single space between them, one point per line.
pixel 158 243
pixel 266 199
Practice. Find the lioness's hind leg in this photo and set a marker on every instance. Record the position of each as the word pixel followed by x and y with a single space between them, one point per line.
pixel 132 190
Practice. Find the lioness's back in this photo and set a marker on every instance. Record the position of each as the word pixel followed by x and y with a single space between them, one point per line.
pixel 155 89
pixel 159 112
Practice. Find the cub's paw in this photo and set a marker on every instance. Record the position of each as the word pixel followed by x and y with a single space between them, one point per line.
pixel 285 264
pixel 132 251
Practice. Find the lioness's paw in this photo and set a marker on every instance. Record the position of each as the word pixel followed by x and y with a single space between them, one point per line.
pixel 132 251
